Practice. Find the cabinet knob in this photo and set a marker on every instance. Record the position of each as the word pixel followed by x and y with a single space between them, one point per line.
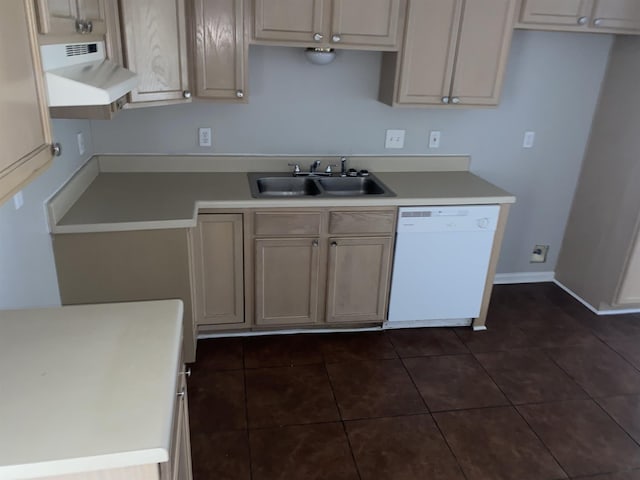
pixel 334 244
pixel 583 20
pixel 239 94
pixel 56 149
pixel 89 26
pixel 597 22
pixel 455 100
pixel 80 26
pixel 336 38
pixel 186 94
pixel 314 243
pixel 181 393
pixel 445 99
pixel 187 372
pixel 317 37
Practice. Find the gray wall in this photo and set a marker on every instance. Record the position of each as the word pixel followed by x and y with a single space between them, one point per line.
pixel 551 87
pixel 27 269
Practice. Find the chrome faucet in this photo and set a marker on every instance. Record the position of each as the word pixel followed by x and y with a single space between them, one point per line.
pixel 313 167
pixel 343 166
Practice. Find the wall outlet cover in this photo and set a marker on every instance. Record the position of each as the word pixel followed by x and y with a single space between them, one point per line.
pixel 434 139
pixel 81 147
pixel 539 254
pixel 529 138
pixel 394 139
pixel 18 200
pixel 204 136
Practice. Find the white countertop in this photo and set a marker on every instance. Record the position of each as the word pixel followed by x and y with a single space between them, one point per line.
pixel 87 387
pixel 152 200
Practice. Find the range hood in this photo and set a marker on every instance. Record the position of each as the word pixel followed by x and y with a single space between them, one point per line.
pixel 78 74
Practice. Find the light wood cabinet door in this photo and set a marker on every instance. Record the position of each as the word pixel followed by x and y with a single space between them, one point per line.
pixel 295 21
pixel 482 51
pixel 155 47
pixel 365 22
pixel 287 276
pixel 218 269
pixel 220 53
pixel 24 122
pixel 60 17
pixel 428 56
pixel 556 12
pixel 358 279
pixel 623 15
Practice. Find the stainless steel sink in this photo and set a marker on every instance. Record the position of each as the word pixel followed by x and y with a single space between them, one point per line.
pixel 353 186
pixel 285 185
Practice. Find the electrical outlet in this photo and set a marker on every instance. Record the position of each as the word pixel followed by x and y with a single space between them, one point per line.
pixel 529 138
pixel 18 200
pixel 81 147
pixel 394 139
pixel 434 139
pixel 204 136
pixel 539 254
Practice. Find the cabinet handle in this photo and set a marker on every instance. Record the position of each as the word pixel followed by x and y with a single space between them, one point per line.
pixel 314 243
pixel 597 22
pixel 317 37
pixel 583 20
pixel 445 99
pixel 455 100
pixel 56 149
pixel 181 393
pixel 334 244
pixel 186 94
pixel 187 372
pixel 336 38
pixel 239 94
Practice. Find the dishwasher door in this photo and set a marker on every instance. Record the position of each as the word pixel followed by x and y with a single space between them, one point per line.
pixel 441 263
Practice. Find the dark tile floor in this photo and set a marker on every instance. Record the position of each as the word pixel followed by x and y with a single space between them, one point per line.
pixel 550 391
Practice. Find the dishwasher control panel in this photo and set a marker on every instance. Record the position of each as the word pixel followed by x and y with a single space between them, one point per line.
pixel 448 218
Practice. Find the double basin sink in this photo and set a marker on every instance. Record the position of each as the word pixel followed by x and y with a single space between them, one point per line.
pixel 269 185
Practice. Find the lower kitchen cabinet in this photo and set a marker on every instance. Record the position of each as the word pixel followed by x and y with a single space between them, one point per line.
pixel 179 465
pixel 358 279
pixel 322 266
pixel 218 264
pixel 127 266
pixel 287 277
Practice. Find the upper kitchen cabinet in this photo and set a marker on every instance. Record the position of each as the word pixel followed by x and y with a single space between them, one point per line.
pixel 359 24
pixel 24 125
pixel 155 47
pixel 219 49
pixel 454 53
pixel 599 16
pixel 70 17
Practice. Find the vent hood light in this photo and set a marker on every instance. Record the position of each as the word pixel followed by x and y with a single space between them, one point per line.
pixel 78 74
pixel 320 56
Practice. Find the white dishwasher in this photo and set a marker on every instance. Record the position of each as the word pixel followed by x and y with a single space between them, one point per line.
pixel 440 264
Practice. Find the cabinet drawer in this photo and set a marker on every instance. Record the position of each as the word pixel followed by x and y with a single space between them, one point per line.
pixel 287 223
pixel 370 222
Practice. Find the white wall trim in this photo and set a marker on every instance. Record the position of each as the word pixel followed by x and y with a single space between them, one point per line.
pixel 591 307
pixel 523 277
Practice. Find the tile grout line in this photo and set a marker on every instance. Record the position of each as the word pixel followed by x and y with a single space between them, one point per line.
pixel 515 408
pixel 246 411
pixel 455 457
pixel 342 422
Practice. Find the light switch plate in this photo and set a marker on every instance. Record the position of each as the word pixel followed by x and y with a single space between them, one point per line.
pixel 394 139
pixel 204 136
pixel 81 147
pixel 18 200
pixel 529 138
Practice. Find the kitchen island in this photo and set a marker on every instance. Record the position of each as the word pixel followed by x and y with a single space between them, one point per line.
pixel 92 388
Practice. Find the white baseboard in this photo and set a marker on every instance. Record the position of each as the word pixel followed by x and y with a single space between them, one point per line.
pixel 523 277
pixel 591 307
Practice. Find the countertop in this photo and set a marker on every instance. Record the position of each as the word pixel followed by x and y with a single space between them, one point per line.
pixel 135 201
pixel 87 387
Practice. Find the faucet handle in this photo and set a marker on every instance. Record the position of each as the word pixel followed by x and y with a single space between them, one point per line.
pixel 329 168
pixel 314 166
pixel 296 167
